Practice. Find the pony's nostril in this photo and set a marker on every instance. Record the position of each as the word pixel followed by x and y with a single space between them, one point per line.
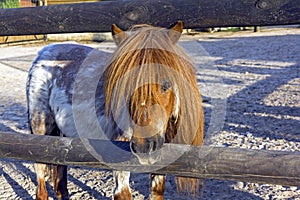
pixel 154 145
pixel 133 147
pixel 146 145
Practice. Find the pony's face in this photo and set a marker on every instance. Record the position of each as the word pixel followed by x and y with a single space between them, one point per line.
pixel 151 107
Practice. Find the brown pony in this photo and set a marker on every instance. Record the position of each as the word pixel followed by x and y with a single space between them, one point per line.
pixel 147 94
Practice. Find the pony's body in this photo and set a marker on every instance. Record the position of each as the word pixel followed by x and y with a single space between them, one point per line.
pixel 51 86
pixel 136 94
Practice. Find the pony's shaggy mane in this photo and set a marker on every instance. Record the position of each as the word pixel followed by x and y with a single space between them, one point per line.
pixel 147 56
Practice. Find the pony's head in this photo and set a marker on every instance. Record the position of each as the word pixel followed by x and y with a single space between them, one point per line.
pixel 151 107
pixel 151 89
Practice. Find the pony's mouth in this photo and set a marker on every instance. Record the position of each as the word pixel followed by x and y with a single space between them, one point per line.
pixel 147 150
pixel 148 159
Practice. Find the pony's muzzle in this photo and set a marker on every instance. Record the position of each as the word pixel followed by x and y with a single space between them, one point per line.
pixel 146 149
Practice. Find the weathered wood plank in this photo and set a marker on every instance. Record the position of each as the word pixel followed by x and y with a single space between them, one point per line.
pixel 22 38
pixel 98 17
pixel 54 2
pixel 276 167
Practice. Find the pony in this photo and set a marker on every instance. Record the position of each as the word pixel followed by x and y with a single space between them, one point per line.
pixel 145 93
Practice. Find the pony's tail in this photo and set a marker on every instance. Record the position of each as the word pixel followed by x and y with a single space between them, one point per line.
pixel 189 186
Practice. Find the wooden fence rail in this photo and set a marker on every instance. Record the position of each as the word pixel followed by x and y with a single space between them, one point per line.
pixel 275 167
pixel 98 17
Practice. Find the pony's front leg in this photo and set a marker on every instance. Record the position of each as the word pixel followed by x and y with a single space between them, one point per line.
pixel 41 191
pixel 122 190
pixel 157 187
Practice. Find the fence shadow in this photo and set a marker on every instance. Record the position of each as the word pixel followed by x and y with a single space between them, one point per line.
pixel 265 82
pixel 17 188
pixel 212 189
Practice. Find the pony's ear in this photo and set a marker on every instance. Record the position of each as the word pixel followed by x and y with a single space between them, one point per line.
pixel 175 31
pixel 118 34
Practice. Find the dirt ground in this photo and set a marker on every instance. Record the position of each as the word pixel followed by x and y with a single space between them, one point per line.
pixel 250 84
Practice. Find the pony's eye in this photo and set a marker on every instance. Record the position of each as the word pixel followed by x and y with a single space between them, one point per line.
pixel 165 86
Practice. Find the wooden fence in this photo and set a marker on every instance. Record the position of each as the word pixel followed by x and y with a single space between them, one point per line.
pixel 275 167
pixel 98 17
pixel 202 162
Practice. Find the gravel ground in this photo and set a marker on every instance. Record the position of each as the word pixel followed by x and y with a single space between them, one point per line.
pixel 250 83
